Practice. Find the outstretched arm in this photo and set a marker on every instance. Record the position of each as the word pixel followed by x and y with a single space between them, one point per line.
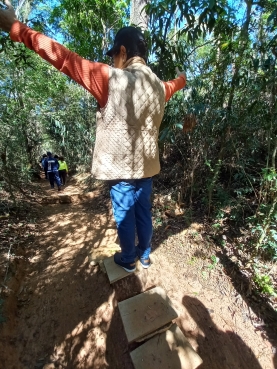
pixel 175 85
pixel 92 76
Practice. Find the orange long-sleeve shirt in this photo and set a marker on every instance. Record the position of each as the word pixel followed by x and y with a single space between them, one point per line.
pixel 93 76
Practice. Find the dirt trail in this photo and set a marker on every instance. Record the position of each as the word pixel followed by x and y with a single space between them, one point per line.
pixel 63 312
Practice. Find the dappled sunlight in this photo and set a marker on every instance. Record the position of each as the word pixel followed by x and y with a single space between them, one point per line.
pixel 71 317
pixel 89 236
pixel 86 343
pixel 65 278
pixel 105 311
pixel 87 230
pixel 215 239
pixel 63 223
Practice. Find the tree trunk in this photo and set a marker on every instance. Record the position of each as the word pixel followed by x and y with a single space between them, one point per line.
pixel 138 16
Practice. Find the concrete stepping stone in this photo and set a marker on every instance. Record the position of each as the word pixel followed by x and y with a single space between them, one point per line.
pixel 66 197
pixel 170 350
pixel 115 272
pixel 146 313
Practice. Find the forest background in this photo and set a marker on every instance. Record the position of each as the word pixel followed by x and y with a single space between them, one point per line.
pixel 222 170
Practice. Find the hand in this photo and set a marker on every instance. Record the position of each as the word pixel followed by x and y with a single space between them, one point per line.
pixel 7 17
pixel 179 73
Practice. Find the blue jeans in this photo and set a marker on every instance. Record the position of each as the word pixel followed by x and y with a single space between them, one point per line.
pixel 54 177
pixel 131 201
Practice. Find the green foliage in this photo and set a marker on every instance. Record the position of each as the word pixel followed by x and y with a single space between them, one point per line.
pixel 71 127
pixel 88 26
pixel 214 261
pixel 231 69
pixel 177 25
pixel 40 110
pixel 264 284
pixel 263 223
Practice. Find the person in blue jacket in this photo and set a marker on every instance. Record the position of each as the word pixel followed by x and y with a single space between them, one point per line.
pixel 44 157
pixel 52 166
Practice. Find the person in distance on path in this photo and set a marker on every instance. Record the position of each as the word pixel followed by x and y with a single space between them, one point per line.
pixel 44 157
pixel 63 170
pixel 52 166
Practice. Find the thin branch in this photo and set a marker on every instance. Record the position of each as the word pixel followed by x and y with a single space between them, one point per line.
pixel 274 154
pixel 197 47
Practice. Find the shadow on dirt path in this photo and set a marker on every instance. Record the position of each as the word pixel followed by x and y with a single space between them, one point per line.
pixel 66 314
pixel 228 349
pixel 65 306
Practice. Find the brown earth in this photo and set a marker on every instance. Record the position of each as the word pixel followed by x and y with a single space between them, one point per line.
pixel 61 312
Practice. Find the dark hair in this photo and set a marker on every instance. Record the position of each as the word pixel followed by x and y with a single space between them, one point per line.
pixel 133 40
pixel 139 49
pixel 61 158
pixel 56 156
pixel 44 156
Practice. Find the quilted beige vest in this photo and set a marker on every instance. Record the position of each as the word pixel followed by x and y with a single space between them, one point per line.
pixel 127 129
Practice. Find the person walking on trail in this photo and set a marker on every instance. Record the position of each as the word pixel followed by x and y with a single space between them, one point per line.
pixel 52 166
pixel 44 156
pixel 63 170
pixel 131 100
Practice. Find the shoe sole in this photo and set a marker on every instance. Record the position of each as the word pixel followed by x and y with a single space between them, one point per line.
pixel 145 266
pixel 128 270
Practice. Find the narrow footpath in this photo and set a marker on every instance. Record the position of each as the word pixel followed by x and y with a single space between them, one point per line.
pixel 63 312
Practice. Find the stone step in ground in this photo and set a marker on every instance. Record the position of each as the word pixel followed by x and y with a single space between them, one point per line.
pixel 114 272
pixel 64 198
pixel 148 317
pixel 168 350
pixel 145 313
